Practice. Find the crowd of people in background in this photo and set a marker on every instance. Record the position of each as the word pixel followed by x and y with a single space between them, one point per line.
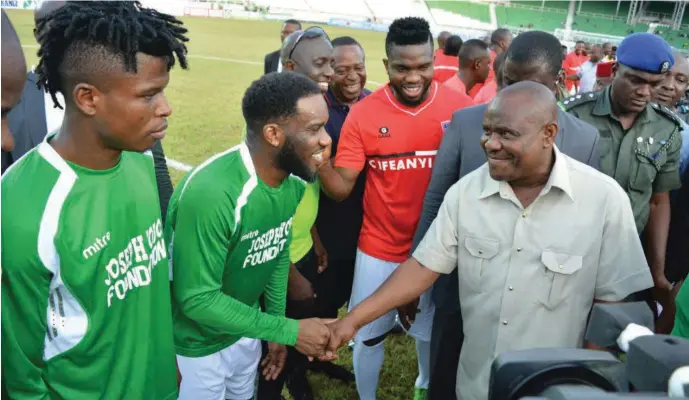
pixel 481 201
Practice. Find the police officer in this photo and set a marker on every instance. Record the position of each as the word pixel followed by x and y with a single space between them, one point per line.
pixel 639 141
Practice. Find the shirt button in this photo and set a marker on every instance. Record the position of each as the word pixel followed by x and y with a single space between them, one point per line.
pixel 524 214
pixel 504 322
pixel 560 266
pixel 510 288
pixel 519 249
pixel 480 252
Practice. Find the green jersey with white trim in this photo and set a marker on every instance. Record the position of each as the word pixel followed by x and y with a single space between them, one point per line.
pixel 85 283
pixel 229 235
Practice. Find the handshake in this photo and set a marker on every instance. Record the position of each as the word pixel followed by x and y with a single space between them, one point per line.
pixel 320 338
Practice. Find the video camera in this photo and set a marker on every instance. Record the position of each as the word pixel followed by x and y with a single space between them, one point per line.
pixel 656 367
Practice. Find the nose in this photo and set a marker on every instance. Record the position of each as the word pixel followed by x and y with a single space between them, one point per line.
pixel 324 139
pixel 328 70
pixel 163 108
pixel 491 143
pixel 644 90
pixel 7 138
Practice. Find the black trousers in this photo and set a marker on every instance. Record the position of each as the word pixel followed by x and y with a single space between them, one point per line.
pixel 333 288
pixel 446 343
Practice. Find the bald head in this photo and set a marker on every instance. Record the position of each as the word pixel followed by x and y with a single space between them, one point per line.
pixel 442 39
pixel 13 76
pixel 309 52
pixel 518 140
pixel 541 101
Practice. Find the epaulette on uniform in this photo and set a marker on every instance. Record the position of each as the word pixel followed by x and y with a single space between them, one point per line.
pixel 579 99
pixel 667 113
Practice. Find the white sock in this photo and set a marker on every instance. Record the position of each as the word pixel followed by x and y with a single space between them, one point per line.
pixel 367 364
pixel 423 355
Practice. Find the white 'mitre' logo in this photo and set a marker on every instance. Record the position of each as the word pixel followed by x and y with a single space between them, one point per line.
pixel 97 246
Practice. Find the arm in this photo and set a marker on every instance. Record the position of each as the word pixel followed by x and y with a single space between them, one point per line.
pixel 266 63
pixel 319 249
pixel 436 254
pixel 445 174
pixel 622 266
pixel 276 289
pixel 200 247
pixel 338 181
pixel 656 236
pixel 658 224
pixel 163 180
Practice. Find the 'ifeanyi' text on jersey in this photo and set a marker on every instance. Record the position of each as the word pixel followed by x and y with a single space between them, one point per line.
pixel 145 251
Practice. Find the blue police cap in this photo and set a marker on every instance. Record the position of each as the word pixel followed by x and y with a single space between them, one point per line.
pixel 646 52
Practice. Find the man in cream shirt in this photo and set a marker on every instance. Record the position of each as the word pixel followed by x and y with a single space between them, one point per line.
pixel 537 236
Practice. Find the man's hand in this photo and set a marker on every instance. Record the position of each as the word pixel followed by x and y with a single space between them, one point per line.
pixel 274 361
pixel 298 287
pixel 662 288
pixel 407 313
pixel 341 332
pixel 313 337
pixel 321 255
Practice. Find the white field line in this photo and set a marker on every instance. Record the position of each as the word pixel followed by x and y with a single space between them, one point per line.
pixel 180 166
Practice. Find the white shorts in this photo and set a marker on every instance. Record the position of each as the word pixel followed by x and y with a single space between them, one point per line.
pixel 369 274
pixel 227 374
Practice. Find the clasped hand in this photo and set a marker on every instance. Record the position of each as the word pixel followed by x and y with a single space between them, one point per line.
pixel 320 338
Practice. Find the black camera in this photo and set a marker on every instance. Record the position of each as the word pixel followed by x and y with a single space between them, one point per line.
pixel 568 374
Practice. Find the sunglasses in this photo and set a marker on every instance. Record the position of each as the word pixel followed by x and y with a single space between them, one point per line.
pixel 312 32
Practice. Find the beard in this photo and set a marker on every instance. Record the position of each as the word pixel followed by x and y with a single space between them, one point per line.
pixel 290 162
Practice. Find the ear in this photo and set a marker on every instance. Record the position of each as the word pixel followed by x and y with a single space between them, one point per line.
pixel 288 65
pixel 274 135
pixel 385 63
pixel 87 98
pixel 549 133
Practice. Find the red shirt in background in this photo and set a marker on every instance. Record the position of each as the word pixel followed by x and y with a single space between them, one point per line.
pixel 571 66
pixel 491 73
pixel 396 145
pixel 487 93
pixel 445 66
pixel 457 85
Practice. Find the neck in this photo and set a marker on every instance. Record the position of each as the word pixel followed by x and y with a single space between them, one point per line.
pixel 467 78
pixel 626 118
pixel 78 143
pixel 264 160
pixel 538 179
pixel 341 99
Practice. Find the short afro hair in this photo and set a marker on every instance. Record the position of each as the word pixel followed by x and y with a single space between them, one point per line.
pixel 408 31
pixel 273 98
pixel 537 47
pixel 452 45
pixel 499 35
pixel 471 51
pixel 345 41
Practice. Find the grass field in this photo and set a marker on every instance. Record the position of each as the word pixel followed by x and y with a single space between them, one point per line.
pixel 225 56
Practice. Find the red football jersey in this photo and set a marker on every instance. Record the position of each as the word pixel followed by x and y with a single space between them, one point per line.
pixel 396 145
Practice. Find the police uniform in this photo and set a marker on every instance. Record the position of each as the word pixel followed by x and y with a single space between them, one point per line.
pixel 644 159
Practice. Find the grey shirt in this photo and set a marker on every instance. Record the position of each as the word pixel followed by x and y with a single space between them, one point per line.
pixel 528 276
pixel 460 153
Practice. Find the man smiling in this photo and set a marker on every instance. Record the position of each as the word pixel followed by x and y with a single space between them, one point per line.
pixel 394 134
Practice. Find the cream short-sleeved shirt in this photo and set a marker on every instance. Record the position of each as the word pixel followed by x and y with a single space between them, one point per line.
pixel 528 276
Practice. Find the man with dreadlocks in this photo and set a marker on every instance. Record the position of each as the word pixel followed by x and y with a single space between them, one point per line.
pixel 85 291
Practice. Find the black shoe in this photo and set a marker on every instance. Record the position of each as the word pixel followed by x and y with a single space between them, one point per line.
pixel 332 370
pixel 299 387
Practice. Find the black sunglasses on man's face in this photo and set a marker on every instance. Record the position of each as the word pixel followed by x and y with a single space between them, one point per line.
pixel 312 32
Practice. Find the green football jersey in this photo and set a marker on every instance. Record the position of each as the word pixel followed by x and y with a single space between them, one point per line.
pixel 229 236
pixel 86 308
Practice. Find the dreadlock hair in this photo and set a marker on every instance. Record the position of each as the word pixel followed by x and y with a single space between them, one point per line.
pixel 408 31
pixel 86 39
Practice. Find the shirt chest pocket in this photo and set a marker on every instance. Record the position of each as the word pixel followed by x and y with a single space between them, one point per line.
pixel 559 277
pixel 644 169
pixel 475 257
